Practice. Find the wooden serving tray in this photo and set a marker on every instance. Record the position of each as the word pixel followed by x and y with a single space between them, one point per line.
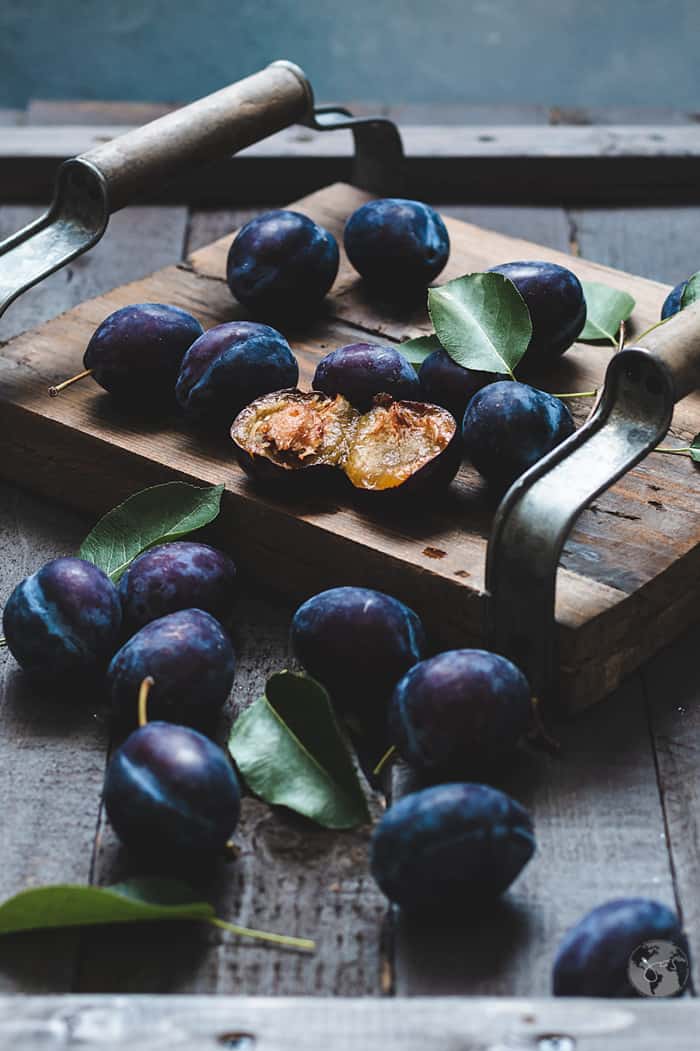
pixel 630 576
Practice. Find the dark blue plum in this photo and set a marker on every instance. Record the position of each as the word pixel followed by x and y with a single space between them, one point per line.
pixel 509 426
pixel 672 302
pixel 179 575
pixel 136 353
pixel 397 245
pixel 594 956
pixel 358 643
pixel 362 370
pixel 191 660
pixel 281 263
pixel 230 366
pixel 171 793
pixel 459 712
pixel 62 624
pixel 446 383
pixel 450 847
pixel 557 306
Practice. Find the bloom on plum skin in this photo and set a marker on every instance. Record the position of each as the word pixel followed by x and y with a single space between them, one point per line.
pixel 360 371
pixel 397 245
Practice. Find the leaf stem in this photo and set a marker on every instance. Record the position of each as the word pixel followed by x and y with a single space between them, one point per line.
pixel 684 451
pixel 621 336
pixel 578 394
pixel 144 691
pixel 279 939
pixel 384 760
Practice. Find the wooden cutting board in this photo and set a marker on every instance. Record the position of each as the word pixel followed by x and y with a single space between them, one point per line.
pixel 630 573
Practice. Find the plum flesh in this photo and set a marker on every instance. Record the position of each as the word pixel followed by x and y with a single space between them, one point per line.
pixel 458 712
pixel 360 371
pixel 170 793
pixel 281 263
pixel 179 575
pixel 62 623
pixel 452 846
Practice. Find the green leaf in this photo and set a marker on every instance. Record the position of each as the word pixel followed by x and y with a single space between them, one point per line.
pixel 290 752
pixel 695 449
pixel 606 309
pixel 69 905
pixel 691 292
pixel 482 322
pixel 418 349
pixel 153 516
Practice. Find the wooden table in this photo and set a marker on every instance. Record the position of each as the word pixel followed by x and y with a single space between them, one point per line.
pixel 617 814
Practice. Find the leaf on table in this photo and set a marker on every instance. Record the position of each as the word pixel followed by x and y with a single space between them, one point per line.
pixel 695 449
pixel 290 751
pixel 72 905
pixel 418 349
pixel 482 321
pixel 606 309
pixel 691 292
pixel 153 516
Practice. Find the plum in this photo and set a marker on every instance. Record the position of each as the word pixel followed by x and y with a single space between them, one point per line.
pixel 293 436
pixel 136 353
pixel 359 371
pixel 509 426
pixel 171 793
pixel 281 263
pixel 403 449
pixel 357 642
pixel 672 302
pixel 557 306
pixel 446 383
pixel 397 245
pixel 451 846
pixel 594 956
pixel 231 365
pixel 179 575
pixel 190 658
pixel 62 623
pixel 458 712
pixel 397 449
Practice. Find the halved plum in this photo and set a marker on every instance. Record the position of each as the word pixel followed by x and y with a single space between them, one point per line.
pixel 403 446
pixel 398 446
pixel 289 433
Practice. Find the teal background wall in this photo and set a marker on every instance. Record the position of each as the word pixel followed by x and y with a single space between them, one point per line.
pixel 569 52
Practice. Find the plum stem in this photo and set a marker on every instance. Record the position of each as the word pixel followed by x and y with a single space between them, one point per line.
pixel 266 936
pixel 56 390
pixel 388 755
pixel 144 690
pixel 578 394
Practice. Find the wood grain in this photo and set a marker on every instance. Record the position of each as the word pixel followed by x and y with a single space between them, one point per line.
pixel 611 577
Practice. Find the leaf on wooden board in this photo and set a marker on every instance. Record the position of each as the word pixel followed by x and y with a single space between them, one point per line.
pixel 482 321
pixel 691 292
pixel 418 349
pixel 289 750
pixel 153 516
pixel 606 309
pixel 695 449
pixel 72 905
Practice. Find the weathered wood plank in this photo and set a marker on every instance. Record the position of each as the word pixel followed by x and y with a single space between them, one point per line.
pixel 389 553
pixel 453 1024
pixel 584 851
pixel 569 163
pixel 52 752
pixel 660 243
